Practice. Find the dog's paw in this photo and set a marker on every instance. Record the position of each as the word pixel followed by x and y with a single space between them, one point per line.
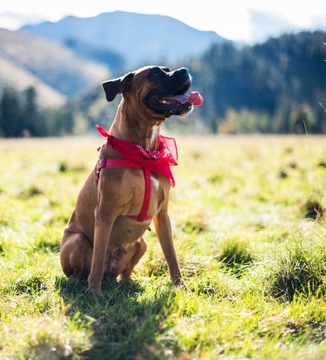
pixel 180 283
pixel 93 291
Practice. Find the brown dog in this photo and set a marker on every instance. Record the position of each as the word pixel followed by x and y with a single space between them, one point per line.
pixel 131 182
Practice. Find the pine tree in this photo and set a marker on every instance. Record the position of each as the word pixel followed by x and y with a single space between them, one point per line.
pixel 10 113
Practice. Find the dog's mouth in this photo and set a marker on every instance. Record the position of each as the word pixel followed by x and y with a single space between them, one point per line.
pixel 177 103
pixel 194 98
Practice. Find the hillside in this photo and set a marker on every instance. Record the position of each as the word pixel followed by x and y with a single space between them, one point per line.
pixel 20 79
pixel 281 81
pixel 139 39
pixel 55 71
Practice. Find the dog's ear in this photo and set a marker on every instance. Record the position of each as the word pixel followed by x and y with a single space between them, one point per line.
pixel 117 86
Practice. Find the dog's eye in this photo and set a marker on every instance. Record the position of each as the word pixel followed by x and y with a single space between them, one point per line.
pixel 156 73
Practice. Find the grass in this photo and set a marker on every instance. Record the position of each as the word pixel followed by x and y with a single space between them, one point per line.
pixel 248 216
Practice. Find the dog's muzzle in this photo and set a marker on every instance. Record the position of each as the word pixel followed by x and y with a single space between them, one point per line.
pixel 168 97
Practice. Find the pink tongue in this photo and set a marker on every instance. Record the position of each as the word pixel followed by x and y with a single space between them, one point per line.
pixel 193 98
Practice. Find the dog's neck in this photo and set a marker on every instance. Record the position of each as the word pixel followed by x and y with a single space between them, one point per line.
pixel 137 130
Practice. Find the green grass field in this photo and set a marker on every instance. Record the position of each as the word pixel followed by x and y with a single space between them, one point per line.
pixel 248 216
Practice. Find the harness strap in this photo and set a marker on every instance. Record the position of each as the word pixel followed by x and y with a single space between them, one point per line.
pixel 147 196
pixel 102 163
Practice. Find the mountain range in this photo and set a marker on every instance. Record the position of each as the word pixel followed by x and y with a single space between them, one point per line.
pixel 70 56
pixel 136 39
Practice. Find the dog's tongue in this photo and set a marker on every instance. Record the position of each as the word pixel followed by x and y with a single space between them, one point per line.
pixel 193 98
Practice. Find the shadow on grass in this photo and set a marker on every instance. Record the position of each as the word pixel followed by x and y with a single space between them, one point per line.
pixel 124 321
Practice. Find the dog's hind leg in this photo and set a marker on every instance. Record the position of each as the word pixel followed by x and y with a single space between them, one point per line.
pixel 137 249
pixel 76 255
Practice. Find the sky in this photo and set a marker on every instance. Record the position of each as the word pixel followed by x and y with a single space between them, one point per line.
pixel 232 19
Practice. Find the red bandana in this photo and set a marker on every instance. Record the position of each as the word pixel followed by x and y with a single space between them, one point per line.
pixel 158 161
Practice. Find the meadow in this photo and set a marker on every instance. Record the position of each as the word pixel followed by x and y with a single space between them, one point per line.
pixel 249 223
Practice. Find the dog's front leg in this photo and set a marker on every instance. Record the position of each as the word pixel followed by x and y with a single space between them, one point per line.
pixel 102 232
pixel 164 232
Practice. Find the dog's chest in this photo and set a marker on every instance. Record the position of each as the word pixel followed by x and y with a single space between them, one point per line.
pixel 153 194
pixel 146 193
pixel 155 183
pixel 130 225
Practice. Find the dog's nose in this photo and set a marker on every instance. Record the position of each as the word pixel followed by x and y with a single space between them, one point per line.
pixel 183 71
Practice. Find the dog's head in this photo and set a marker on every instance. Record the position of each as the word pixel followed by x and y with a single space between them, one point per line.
pixel 156 88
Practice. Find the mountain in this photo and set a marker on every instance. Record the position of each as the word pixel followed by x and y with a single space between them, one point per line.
pixel 63 59
pixel 132 40
pixel 20 79
pixel 54 70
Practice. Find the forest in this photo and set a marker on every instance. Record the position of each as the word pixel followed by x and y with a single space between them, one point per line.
pixel 276 87
pixel 267 88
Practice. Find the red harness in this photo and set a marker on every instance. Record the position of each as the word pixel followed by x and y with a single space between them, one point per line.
pixel 102 163
pixel 136 156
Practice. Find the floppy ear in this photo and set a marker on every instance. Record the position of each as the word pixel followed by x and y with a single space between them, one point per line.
pixel 117 86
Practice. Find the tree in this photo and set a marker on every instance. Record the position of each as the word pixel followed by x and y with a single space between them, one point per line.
pixel 33 121
pixel 10 113
pixel 61 121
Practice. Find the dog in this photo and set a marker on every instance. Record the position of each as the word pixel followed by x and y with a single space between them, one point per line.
pixel 129 186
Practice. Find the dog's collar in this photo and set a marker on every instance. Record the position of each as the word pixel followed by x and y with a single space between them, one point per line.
pixel 158 161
